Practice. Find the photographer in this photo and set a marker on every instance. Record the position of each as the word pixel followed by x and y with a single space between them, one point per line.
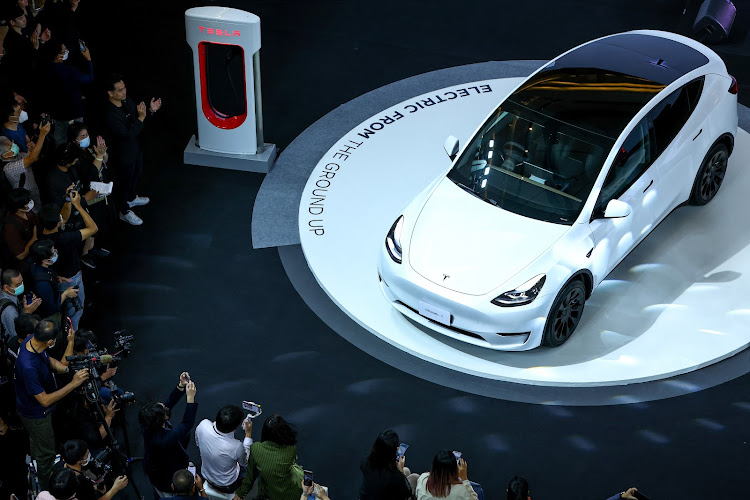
pixel 164 445
pixel 75 456
pixel 37 392
pixel 85 343
pixel 68 245
pixel 44 280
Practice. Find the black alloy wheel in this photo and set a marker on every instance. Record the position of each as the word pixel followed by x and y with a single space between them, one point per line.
pixel 565 314
pixel 711 175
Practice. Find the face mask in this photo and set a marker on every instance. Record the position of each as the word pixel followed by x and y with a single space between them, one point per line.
pixel 14 148
pixel 65 55
pixel 85 142
pixel 53 345
pixel 84 464
pixel 54 258
pixel 19 290
pixel 30 205
pixel 23 116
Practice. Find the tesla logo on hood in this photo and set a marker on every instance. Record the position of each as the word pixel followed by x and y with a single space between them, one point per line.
pixel 445 277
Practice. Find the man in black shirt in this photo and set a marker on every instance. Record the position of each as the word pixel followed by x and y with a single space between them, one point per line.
pixel 68 245
pixel 125 124
pixel 67 172
pixel 76 456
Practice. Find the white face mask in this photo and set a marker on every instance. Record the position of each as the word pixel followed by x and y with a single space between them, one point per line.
pixel 88 459
pixel 65 55
pixel 23 116
pixel 30 206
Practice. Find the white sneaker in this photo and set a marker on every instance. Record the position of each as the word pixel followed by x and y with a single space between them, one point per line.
pixel 131 218
pixel 138 201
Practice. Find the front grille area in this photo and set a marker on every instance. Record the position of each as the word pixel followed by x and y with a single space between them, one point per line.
pixel 452 328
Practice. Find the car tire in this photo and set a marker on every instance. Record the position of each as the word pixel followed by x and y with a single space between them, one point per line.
pixel 565 314
pixel 710 176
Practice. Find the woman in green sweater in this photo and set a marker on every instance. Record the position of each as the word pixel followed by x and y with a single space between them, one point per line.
pixel 275 460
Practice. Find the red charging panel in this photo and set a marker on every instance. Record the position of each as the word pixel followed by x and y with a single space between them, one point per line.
pixel 216 118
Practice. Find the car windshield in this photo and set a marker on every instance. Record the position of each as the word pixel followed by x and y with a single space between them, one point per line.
pixel 532 164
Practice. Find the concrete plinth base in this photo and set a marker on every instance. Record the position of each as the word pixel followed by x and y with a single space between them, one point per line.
pixel 262 163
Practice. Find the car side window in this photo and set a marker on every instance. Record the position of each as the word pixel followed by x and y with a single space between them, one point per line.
pixel 635 156
pixel 694 90
pixel 671 114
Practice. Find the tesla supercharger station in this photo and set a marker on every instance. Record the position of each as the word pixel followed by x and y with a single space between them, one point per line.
pixel 226 64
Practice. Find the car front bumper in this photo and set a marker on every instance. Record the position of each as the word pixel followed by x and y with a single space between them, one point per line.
pixel 473 319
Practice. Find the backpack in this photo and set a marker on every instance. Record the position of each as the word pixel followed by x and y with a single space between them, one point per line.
pixel 4 303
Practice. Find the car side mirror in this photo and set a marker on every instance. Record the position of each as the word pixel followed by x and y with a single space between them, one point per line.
pixel 451 146
pixel 617 209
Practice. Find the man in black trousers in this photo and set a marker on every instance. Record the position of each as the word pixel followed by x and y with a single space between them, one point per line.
pixel 125 123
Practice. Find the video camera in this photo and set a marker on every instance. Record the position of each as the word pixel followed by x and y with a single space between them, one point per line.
pixel 123 342
pixel 94 361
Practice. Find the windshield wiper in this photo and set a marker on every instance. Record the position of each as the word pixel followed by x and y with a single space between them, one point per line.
pixel 468 189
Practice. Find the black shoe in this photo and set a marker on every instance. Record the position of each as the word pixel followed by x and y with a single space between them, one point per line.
pixel 86 261
pixel 99 253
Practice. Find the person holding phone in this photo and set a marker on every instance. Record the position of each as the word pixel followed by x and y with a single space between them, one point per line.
pixel 384 475
pixel 274 459
pixel 629 494
pixel 164 444
pixel 224 458
pixel 447 479
pixel 187 485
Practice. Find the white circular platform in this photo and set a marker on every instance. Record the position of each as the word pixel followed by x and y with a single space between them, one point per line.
pixel 679 302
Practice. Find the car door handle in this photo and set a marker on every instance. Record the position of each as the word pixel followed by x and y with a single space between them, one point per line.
pixel 649 185
pixel 699 133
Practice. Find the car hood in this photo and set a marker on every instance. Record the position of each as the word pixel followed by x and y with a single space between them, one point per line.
pixel 465 244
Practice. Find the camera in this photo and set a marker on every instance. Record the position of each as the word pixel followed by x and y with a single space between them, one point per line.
pixel 123 342
pixel 71 306
pixel 45 120
pixel 76 187
pixel 123 399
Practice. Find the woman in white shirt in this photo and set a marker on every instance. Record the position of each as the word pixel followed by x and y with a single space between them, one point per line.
pixel 447 479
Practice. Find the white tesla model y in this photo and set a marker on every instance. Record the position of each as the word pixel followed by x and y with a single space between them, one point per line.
pixel 571 171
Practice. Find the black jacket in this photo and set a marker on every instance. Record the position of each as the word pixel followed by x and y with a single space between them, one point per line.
pixel 124 129
pixel 165 448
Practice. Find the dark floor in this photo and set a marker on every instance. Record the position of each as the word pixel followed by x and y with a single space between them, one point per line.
pixel 189 286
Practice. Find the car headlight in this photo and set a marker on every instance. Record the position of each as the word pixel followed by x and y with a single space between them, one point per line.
pixel 393 240
pixel 522 295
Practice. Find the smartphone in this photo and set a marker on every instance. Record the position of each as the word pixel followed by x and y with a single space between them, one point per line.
pixel 308 480
pixel 640 496
pixel 253 409
pixel 82 45
pixel 458 455
pixel 401 451
pixel 191 468
pixel 67 325
pixel 29 297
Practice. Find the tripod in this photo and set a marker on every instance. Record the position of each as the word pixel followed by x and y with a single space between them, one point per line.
pixel 91 392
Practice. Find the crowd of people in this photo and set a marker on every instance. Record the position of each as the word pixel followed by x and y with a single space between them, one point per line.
pixel 68 184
